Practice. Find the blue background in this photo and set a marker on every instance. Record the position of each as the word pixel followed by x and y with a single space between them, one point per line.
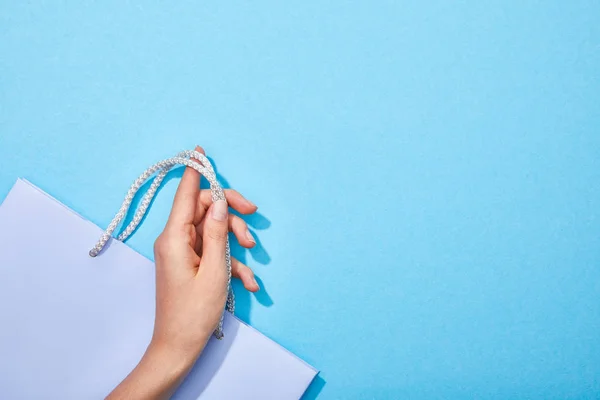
pixel 427 172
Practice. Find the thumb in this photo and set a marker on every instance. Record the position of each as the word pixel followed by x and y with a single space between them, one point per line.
pixel 214 237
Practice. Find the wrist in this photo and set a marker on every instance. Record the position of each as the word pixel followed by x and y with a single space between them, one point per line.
pixel 171 362
pixel 176 352
pixel 157 375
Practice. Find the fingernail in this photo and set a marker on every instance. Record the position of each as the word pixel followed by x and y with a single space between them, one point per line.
pixel 255 283
pixel 251 203
pixel 250 237
pixel 219 210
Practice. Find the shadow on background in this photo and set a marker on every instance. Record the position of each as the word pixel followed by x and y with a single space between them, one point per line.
pixel 257 221
pixel 243 305
pixel 314 389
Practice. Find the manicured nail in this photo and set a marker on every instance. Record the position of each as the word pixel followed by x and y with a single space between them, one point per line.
pixel 219 210
pixel 250 237
pixel 255 283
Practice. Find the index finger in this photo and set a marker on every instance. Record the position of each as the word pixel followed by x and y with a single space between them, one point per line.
pixel 186 197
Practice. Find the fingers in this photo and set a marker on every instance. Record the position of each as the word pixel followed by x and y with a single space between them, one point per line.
pixel 240 229
pixel 234 198
pixel 214 236
pixel 238 226
pixel 185 202
pixel 245 274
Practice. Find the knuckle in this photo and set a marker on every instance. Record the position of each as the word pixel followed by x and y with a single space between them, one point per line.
pixel 248 272
pixel 237 222
pixel 160 245
pixel 232 192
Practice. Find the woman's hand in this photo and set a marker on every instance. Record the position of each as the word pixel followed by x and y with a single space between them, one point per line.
pixel 191 285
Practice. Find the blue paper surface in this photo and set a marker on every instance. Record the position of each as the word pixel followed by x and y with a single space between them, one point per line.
pixel 427 172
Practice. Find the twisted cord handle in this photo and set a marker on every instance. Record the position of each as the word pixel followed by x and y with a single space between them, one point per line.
pixel 203 166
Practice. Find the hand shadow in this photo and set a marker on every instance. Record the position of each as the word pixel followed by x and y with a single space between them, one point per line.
pixel 243 304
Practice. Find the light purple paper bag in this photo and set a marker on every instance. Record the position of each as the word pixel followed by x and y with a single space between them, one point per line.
pixel 74 326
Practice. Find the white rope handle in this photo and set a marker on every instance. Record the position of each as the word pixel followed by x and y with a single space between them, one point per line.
pixel 203 166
